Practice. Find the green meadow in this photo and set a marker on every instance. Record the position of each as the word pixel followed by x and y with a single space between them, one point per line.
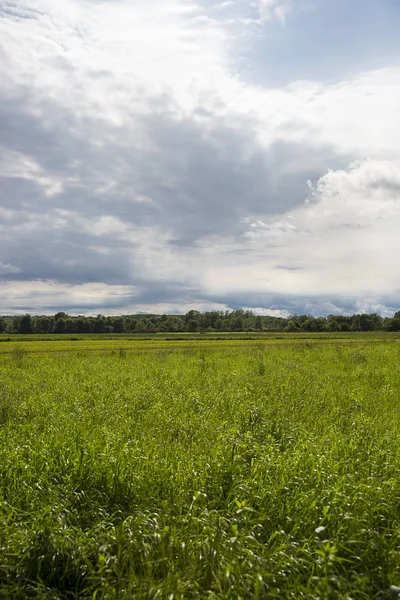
pixel 160 467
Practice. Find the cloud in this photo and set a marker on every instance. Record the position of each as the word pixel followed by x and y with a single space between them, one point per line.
pixel 279 9
pixel 14 165
pixel 8 269
pixel 49 296
pixel 342 244
pixel 139 170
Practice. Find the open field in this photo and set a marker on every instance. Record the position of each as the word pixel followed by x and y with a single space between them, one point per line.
pixel 106 343
pixel 200 468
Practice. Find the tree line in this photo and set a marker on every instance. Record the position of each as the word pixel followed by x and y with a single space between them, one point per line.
pixel 195 321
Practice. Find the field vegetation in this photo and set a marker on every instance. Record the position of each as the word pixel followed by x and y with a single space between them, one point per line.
pixel 200 468
pixel 194 321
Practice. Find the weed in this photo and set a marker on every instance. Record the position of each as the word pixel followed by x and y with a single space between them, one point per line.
pixel 219 469
pixel 18 355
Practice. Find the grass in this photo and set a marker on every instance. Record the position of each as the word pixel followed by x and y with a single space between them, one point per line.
pixel 242 470
pixel 197 336
pixel 104 343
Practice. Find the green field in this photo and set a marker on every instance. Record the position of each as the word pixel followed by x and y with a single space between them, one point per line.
pixel 147 467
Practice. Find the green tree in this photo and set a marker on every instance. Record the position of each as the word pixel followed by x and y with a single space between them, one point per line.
pixel 192 325
pixel 71 326
pixel 366 322
pixel 237 324
pixel 59 326
pixel 60 315
pixel 332 323
pixel 292 327
pixel 219 324
pixel 100 324
pixel 44 324
pixel 119 325
pixel 25 325
pixel 393 324
pixel 310 324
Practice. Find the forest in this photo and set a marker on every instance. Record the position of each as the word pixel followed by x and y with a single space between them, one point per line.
pixel 195 321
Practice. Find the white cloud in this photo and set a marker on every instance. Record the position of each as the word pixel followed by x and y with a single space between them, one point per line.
pixel 344 242
pixel 18 166
pixel 8 269
pixel 42 296
pixel 100 57
pixel 279 9
pixel 133 152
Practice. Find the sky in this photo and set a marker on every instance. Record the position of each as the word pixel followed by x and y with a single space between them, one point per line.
pixel 167 155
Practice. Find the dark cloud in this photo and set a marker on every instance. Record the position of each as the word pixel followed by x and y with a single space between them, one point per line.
pixel 196 181
pixel 314 305
pixel 113 172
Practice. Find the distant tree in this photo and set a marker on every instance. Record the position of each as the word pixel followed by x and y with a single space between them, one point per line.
pixel 320 324
pixel 25 325
pixel 192 325
pixel 355 323
pixel 393 324
pixel 100 324
pixel 210 318
pixel 2 325
pixel 139 325
pixel 59 326
pixel 292 327
pixel 84 325
pixel 131 324
pixel 172 324
pixel 44 324
pixel 60 315
pixel 71 326
pixel 332 323
pixel 219 324
pixel 237 323
pixel 248 324
pixel 366 322
pixel 119 325
pixel 192 315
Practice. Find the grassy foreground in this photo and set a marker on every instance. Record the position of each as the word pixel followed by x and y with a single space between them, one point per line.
pixel 201 472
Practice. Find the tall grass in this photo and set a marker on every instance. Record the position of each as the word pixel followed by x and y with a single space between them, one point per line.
pixel 266 472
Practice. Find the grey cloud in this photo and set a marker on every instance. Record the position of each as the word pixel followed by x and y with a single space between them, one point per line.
pixel 179 296
pixel 121 184
pixel 288 268
pixel 12 10
pixel 8 269
pixel 37 307
pixel 149 293
pixel 214 180
pixel 201 181
pixel 154 292
pixel 67 255
pixel 317 305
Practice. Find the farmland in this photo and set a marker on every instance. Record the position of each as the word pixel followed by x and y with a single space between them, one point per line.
pixel 199 466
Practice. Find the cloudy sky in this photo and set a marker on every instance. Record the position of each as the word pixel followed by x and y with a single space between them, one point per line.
pixel 163 155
